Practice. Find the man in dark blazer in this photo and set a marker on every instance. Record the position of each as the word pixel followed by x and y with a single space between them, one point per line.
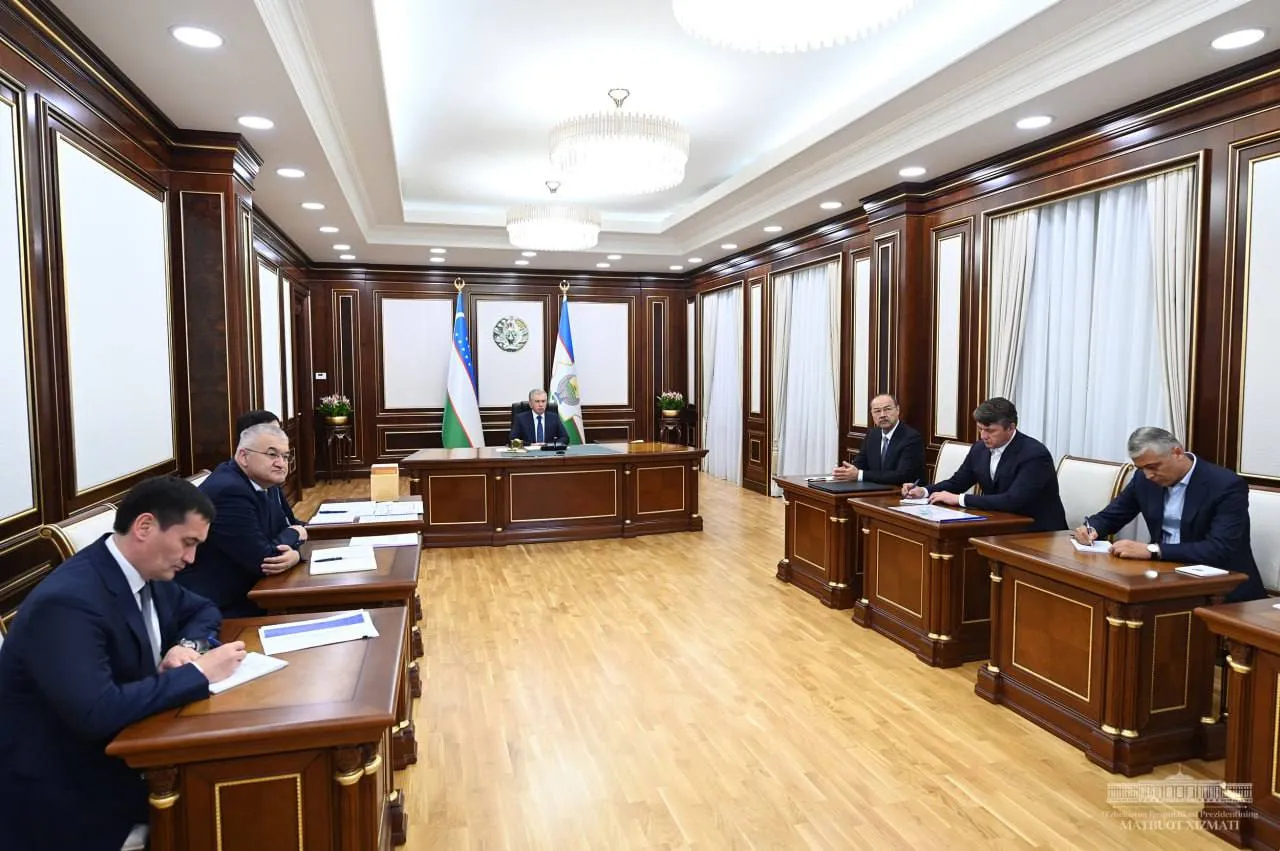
pixel 524 425
pixel 891 455
pixel 1197 512
pixel 250 537
pixel 93 649
pixel 252 418
pixel 1016 472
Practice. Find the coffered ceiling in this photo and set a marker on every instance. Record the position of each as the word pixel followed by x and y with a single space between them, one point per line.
pixel 418 122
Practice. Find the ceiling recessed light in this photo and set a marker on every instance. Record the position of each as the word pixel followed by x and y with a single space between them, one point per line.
pixel 911 171
pixel 728 246
pixel 772 228
pixel 328 229
pixel 346 257
pixel 1034 122
pixel 602 265
pixel 312 205
pixel 437 259
pixel 831 205
pixel 695 259
pixel 256 122
pixel 1237 39
pixel 439 250
pixel 196 37
pixel 528 254
pixel 291 172
pixel 522 262
pixel 615 256
pixel 676 268
pixel 341 246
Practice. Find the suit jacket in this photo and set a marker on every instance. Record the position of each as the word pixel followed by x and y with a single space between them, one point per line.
pixel 75 670
pixel 904 462
pixel 247 528
pixel 1026 482
pixel 553 430
pixel 1215 522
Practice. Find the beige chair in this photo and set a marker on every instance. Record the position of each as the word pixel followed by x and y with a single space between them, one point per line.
pixel 951 455
pixel 78 531
pixel 1264 534
pixel 198 478
pixel 1087 486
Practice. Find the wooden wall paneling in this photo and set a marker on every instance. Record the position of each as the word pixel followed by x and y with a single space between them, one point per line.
pixel 962 355
pixel 857 319
pixel 345 378
pixel 658 356
pixel 756 456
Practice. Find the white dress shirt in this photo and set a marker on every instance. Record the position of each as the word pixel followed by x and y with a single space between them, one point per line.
pixel 995 461
pixel 136 585
pixel 886 437
pixel 1175 497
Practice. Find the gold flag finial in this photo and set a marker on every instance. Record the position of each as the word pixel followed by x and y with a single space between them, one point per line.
pixel 458 284
pixel 564 287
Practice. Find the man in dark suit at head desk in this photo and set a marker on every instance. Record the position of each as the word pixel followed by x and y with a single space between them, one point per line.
pixel 94 648
pixel 893 454
pixel 252 418
pixel 536 425
pixel 1016 472
pixel 251 537
pixel 1197 511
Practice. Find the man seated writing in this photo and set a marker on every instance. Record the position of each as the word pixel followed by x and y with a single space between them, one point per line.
pixel 536 425
pixel 94 648
pixel 250 537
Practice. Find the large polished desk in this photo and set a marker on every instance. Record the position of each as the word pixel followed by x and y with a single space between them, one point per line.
pixel 1249 815
pixel 1090 648
pixel 394 583
pixel 821 547
pixel 486 496
pixel 297 759
pixel 924 586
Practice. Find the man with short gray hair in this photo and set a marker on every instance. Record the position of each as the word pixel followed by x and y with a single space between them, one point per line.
pixel 538 425
pixel 1196 512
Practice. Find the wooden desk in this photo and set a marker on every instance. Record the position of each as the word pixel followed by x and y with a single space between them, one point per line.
pixel 1249 817
pixel 1088 647
pixel 486 497
pixel 394 583
pixel 821 547
pixel 296 759
pixel 924 586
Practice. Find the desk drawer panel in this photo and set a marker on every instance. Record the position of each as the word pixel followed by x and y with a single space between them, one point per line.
pixel 900 572
pixel 1056 642
pixel 563 495
pixel 455 498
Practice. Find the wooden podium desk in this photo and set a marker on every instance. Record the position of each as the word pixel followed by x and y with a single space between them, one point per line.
pixel 488 497
pixel 924 586
pixel 394 583
pixel 1249 816
pixel 295 759
pixel 820 544
pixel 1088 647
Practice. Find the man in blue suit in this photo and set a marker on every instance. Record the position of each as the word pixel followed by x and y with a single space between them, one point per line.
pixel 260 417
pixel 891 454
pixel 1197 511
pixel 1015 471
pixel 95 648
pixel 250 537
pixel 536 425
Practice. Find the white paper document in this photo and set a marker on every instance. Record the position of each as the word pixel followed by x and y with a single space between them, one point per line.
pixel 388 518
pixel 317 632
pixel 388 509
pixel 349 559
pixel 935 513
pixel 1200 570
pixel 915 500
pixel 326 518
pixel 1095 547
pixel 356 508
pixel 254 665
pixel 405 539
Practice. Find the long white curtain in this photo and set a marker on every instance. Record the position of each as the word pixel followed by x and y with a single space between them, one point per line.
pixel 806 370
pixel 1013 255
pixel 1171 203
pixel 1091 365
pixel 722 320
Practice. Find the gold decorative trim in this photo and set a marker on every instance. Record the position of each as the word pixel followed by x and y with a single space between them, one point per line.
pixel 995 578
pixel 511 495
pixel 371 767
pixel 1244 312
pixel 1186 671
pixel 837 585
pixel 297 781
pixel 1110 731
pixel 1275 743
pixel 1238 667
pixel 1129 734
pixel 351 777
pixel 1116 622
pixel 1208 719
pixel 1013 656
pixel 427 518
pixel 1133 624
pixel 858 414
pixel 891 602
pixel 995 669
pixel 935 242
pixel 163 802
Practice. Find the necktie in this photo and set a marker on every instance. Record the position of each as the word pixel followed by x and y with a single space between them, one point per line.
pixel 884 444
pixel 149 619
pixel 537 435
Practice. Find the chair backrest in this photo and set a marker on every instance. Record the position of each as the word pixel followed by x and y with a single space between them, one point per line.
pixel 1264 533
pixel 950 456
pixel 1087 485
pixel 80 530
pixel 1136 530
pixel 198 477
pixel 521 407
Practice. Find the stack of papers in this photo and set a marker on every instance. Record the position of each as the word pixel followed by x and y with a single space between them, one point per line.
pixel 1200 570
pixel 317 632
pixel 342 560
pixel 366 512
pixel 1095 547
pixel 391 509
pixel 935 513
pixel 915 500
pixel 254 665
pixel 405 539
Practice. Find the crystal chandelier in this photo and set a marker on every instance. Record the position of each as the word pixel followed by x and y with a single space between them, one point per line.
pixel 620 153
pixel 770 26
pixel 553 227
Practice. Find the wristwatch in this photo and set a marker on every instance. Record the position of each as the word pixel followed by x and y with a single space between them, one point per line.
pixel 1154 549
pixel 194 644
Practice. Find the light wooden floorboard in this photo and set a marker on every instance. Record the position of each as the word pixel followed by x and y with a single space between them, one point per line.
pixel 668 692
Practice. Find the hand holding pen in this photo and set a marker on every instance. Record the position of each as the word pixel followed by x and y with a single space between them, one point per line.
pixel 1085 534
pixel 914 490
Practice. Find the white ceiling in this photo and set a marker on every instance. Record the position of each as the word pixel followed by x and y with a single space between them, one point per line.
pixel 419 121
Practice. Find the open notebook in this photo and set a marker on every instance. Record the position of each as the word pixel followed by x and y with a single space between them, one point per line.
pixel 254 665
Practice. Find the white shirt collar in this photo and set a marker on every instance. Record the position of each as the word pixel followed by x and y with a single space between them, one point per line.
pixel 259 488
pixel 889 434
pixel 131 574
pixel 1187 478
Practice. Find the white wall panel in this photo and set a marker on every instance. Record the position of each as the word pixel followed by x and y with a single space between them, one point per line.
pixel 691 352
pixel 288 349
pixel 861 341
pixel 946 388
pixel 602 350
pixel 507 377
pixel 417 340
pixel 757 356
pixel 272 356
pixel 1259 450
pixel 17 492
pixel 115 279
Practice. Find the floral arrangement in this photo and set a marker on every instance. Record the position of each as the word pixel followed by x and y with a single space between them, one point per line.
pixel 671 400
pixel 334 406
